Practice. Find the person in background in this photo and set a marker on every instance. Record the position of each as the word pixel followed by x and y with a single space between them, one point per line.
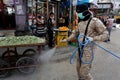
pixel 67 19
pixel 96 32
pixel 103 19
pixel 51 24
pixel 40 28
pixel 61 21
pixel 109 25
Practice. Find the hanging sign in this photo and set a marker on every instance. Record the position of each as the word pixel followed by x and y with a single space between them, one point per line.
pixel 29 3
pixel 19 10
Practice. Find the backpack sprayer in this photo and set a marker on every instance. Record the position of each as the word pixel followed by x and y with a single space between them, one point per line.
pixel 82 46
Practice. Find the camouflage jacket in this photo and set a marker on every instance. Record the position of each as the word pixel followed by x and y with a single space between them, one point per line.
pixel 96 29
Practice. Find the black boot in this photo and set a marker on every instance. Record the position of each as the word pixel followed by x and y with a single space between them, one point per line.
pixel 108 39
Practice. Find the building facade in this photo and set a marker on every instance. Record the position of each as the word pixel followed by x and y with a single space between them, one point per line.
pixel 23 13
pixel 104 7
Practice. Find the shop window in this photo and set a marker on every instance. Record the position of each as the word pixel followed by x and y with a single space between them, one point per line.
pixel 35 10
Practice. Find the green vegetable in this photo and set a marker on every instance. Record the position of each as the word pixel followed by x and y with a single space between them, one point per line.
pixel 6 41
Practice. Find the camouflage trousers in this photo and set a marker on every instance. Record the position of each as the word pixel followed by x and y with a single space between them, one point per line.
pixel 83 70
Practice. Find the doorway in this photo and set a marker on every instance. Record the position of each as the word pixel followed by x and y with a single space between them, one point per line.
pixel 7 16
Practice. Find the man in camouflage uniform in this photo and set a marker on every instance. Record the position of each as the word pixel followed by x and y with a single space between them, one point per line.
pixel 96 32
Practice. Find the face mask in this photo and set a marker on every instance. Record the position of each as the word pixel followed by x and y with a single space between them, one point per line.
pixel 80 15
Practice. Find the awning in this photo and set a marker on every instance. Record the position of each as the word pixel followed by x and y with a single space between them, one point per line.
pixel 79 2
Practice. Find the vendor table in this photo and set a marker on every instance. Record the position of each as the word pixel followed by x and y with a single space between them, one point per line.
pixel 10 59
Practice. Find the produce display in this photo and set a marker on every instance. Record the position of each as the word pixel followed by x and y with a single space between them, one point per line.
pixel 13 40
pixel 64 28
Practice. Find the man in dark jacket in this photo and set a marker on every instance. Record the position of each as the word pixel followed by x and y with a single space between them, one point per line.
pixel 51 24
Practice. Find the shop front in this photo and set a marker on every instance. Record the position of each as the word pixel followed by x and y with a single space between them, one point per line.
pixel 12 14
pixel 104 9
pixel 7 14
pixel 21 14
pixel 42 8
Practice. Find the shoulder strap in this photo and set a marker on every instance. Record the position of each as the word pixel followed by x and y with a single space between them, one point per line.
pixel 86 29
pixel 79 49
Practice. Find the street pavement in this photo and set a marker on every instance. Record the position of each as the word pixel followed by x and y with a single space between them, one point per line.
pixel 104 67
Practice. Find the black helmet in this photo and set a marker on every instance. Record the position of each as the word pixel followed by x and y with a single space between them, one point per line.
pixel 81 8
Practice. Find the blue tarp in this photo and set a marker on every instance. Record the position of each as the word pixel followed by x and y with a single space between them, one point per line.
pixel 78 2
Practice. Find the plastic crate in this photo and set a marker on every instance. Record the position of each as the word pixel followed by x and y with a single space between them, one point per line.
pixel 61 44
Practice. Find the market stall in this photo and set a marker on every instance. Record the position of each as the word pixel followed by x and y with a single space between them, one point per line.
pixel 11 59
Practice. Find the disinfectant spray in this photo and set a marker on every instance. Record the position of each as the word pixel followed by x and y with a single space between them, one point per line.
pixel 45 57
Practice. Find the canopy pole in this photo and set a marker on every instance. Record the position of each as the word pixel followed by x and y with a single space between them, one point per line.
pixel 47 4
pixel 70 13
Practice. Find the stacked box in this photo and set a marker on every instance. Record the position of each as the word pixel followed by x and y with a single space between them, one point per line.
pixel 60 36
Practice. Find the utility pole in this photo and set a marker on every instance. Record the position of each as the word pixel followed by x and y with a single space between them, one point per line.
pixel 70 10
